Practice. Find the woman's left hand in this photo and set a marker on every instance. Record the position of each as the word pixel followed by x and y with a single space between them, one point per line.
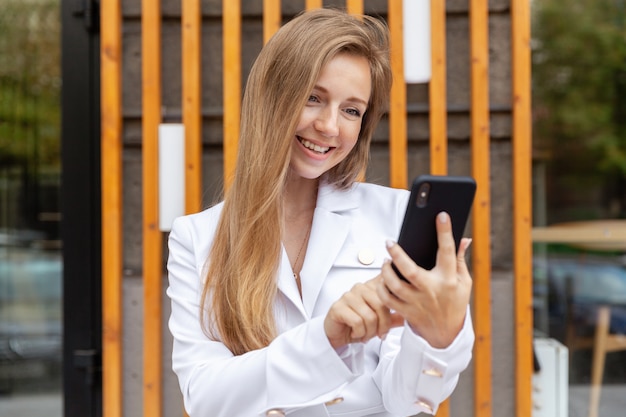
pixel 434 302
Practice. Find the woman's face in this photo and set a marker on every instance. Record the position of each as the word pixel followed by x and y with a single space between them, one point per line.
pixel 330 123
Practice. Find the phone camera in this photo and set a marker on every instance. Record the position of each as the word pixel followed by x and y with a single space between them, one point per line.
pixel 422 195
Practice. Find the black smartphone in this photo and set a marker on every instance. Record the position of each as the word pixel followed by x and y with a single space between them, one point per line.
pixel 430 195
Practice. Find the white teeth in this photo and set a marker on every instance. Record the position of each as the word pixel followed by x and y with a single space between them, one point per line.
pixel 313 146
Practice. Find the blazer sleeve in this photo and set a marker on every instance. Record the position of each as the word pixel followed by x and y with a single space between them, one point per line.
pixel 414 377
pixel 298 369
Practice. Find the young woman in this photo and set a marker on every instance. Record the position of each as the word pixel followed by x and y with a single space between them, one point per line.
pixel 284 301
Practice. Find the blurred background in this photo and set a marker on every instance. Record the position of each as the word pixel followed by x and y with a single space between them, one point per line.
pixel 579 175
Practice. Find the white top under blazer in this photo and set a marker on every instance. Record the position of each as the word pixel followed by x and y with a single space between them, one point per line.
pixel 299 374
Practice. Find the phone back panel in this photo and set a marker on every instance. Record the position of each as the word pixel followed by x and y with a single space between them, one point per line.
pixel 418 236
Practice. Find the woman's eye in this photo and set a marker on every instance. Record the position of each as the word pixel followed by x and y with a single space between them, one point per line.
pixel 353 112
pixel 314 99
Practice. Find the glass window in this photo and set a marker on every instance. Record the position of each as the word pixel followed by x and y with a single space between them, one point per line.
pixel 30 246
pixel 579 141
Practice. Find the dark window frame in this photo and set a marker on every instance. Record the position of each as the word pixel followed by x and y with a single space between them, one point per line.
pixel 80 208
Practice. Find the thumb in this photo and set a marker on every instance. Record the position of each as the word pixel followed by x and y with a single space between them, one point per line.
pixel 397 320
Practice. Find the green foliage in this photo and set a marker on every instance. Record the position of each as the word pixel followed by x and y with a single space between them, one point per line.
pixel 579 81
pixel 29 82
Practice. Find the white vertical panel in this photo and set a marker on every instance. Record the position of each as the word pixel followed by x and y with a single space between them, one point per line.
pixel 550 382
pixel 416 29
pixel 171 173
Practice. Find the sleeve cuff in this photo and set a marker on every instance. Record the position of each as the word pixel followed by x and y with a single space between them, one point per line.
pixel 303 361
pixel 423 376
pixel 466 334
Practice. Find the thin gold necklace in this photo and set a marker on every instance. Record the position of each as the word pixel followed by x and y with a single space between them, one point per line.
pixel 296 275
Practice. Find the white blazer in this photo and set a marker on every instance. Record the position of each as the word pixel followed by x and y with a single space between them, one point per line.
pixel 299 374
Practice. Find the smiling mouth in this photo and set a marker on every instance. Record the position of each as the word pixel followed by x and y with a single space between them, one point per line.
pixel 313 147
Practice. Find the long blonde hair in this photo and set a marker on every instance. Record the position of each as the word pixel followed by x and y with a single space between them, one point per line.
pixel 240 287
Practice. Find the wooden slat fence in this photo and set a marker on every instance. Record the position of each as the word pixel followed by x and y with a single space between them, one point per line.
pixel 481 213
pixel 152 238
pixel 111 169
pixel 192 101
pixel 231 21
pixel 397 107
pixel 522 196
pixel 191 22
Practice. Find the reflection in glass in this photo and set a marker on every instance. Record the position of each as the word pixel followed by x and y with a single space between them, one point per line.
pixel 579 175
pixel 580 299
pixel 30 247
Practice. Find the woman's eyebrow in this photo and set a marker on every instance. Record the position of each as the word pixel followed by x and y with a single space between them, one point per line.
pixel 351 99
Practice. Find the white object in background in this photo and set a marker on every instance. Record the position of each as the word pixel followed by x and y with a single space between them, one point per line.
pixel 171 174
pixel 416 39
pixel 550 383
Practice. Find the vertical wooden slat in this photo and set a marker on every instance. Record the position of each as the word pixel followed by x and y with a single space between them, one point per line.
pixel 313 4
pixel 438 109
pixel 397 108
pixel 438 116
pixel 481 214
pixel 271 18
pixel 192 101
pixel 354 6
pixel 232 84
pixel 111 159
pixel 522 206
pixel 152 273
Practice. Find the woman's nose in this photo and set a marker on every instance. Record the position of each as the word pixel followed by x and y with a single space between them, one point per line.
pixel 327 123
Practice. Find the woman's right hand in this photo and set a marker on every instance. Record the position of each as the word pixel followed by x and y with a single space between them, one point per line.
pixel 359 315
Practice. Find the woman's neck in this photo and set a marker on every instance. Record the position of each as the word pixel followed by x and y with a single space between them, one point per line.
pixel 299 198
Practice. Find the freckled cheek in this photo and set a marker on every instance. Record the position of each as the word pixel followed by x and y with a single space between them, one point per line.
pixel 351 138
pixel 347 147
pixel 306 119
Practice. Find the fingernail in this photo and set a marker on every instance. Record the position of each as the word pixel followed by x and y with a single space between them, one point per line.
pixel 443 217
pixel 389 243
pixel 469 242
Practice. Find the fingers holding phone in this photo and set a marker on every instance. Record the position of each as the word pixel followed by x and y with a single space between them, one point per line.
pixel 447 260
pixel 450 258
pixel 434 302
pixel 427 280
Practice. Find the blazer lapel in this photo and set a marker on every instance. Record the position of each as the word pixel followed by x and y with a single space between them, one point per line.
pixel 331 225
pixel 330 228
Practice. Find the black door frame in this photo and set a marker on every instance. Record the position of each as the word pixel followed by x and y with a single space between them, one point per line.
pixel 80 208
